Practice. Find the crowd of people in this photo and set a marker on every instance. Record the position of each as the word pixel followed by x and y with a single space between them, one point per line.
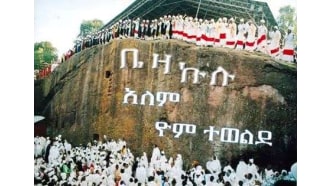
pixel 110 162
pixel 222 32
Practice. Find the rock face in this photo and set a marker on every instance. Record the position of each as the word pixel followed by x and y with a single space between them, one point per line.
pixel 84 99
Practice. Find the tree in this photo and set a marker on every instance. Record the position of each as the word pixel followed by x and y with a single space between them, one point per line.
pixel 90 26
pixel 286 19
pixel 44 53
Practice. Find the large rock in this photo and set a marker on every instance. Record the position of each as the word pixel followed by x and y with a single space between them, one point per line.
pixel 84 98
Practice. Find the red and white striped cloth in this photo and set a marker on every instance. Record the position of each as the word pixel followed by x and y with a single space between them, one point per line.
pixel 230 43
pixel 274 52
pixel 262 40
pixel 288 54
pixel 250 45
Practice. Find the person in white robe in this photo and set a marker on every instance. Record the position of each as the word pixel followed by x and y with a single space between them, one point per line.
pixel 269 173
pixel 168 26
pixel 218 25
pixel 136 24
pixel 211 33
pixel 163 165
pixel 212 181
pixel 179 26
pixel 67 146
pixel 252 168
pixel 38 149
pixel 175 27
pixel 250 40
pixel 151 181
pixel 112 146
pixel 178 162
pixel 204 32
pixel 155 154
pixel 293 170
pixel 274 47
pixel 231 36
pixel 223 32
pixel 230 175
pixel 214 166
pixel 141 174
pixel 262 37
pixel 240 35
pixel 228 167
pixel 188 29
pixel 125 176
pixel 199 175
pixel 54 155
pixel 288 48
pixel 241 170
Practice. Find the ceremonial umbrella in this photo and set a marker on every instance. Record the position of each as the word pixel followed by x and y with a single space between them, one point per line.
pixel 38 118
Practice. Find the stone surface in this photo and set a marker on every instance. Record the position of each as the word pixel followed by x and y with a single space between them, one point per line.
pixel 79 100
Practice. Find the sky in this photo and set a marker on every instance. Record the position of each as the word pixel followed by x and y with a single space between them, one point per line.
pixel 58 21
pixel 275 5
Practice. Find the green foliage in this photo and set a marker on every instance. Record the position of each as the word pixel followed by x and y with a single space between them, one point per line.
pixel 90 26
pixel 287 18
pixel 44 53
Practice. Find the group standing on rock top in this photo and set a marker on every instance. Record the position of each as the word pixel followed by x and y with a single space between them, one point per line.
pixel 222 32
